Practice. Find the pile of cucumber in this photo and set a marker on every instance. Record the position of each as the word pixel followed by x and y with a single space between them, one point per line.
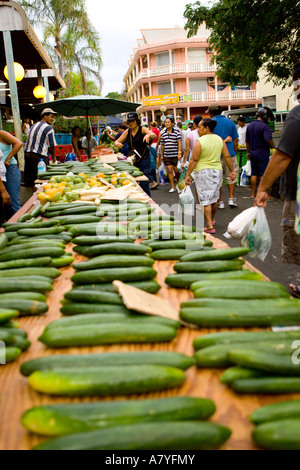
pixel 277 426
pixel 13 340
pixel 166 424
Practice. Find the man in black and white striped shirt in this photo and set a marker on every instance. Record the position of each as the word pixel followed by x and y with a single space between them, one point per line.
pixel 40 144
pixel 171 150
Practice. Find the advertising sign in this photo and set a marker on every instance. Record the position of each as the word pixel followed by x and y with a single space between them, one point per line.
pixel 159 100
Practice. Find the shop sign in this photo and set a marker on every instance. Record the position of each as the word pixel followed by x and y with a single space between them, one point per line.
pixel 187 98
pixel 159 100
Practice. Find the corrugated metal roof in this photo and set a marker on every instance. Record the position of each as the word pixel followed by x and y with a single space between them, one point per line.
pixel 160 35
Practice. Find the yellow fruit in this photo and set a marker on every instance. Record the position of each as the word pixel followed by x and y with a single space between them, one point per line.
pixel 125 182
pixel 43 198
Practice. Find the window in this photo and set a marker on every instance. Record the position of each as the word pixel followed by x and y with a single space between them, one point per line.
pixel 164 59
pixel 196 55
pixel 197 85
pixel 164 88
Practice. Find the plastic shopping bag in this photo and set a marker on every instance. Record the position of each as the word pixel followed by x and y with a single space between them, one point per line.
pixel 161 172
pixel 248 168
pixel 257 236
pixel 187 201
pixel 181 183
pixel 240 224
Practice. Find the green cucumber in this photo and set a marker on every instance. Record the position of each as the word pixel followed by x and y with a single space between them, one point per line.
pixel 269 362
pixel 26 263
pixel 278 435
pixel 226 254
pixel 87 209
pixel 100 229
pixel 3 241
pixel 211 317
pixel 117 248
pixel 267 385
pixel 82 308
pixel 37 242
pixel 172 435
pixel 12 331
pixel 62 261
pixel 15 285
pixel 118 333
pixel 186 280
pixel 236 373
pixel 84 361
pixel 22 343
pixel 92 241
pixel 11 227
pixel 153 218
pixel 24 306
pixel 36 232
pixel 24 218
pixel 248 304
pixel 7 313
pixel 6 337
pixel 241 289
pixel 168 254
pixel 59 420
pixel 276 412
pixel 102 381
pixel 32 253
pixel 209 266
pixel 176 235
pixel 30 244
pixel 152 287
pixel 24 295
pixel 239 337
pixel 12 353
pixel 76 219
pixel 94 297
pixel 99 276
pixel 114 261
pixel 177 244
pixel 36 210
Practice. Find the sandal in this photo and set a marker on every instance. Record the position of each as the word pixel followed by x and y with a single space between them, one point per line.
pixel 295 290
pixel 209 230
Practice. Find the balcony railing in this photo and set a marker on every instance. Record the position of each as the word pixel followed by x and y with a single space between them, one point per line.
pixel 219 96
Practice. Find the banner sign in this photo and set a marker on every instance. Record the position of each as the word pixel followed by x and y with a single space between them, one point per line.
pixel 159 100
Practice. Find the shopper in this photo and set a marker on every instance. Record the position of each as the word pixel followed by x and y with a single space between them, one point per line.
pixel 10 146
pixel 26 126
pixel 242 131
pixel 138 138
pixel 171 150
pixel 259 141
pixel 76 142
pixel 227 131
pixel 153 167
pixel 96 134
pixel 4 202
pixel 122 128
pixel 206 164
pixel 286 160
pixel 40 145
pixel 191 139
pixel 89 143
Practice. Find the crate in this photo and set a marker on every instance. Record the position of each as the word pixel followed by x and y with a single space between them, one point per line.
pixel 63 150
pixel 63 139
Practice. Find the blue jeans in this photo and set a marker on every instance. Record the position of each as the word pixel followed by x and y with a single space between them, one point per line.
pixel 144 166
pixel 12 185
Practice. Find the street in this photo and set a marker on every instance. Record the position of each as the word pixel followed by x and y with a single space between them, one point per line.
pixel 272 267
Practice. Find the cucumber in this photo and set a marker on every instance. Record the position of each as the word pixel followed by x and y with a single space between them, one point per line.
pixel 22 343
pixel 36 210
pixel 152 287
pixel 278 435
pixel 168 254
pixel 267 385
pixel 6 337
pixel 226 254
pixel 28 244
pixel 176 235
pixel 209 266
pixel 63 237
pixel 269 362
pixel 62 261
pixel 7 313
pixel 177 244
pixel 117 248
pixel 186 280
pixel 82 308
pixel 3 241
pixel 118 333
pixel 182 435
pixel 33 253
pixel 25 295
pixel 12 353
pixel 15 285
pixel 94 297
pixel 75 220
pixel 87 209
pixel 36 232
pixel 153 217
pixel 92 241
pixel 24 306
pixel 26 263
pixel 100 229
pixel 241 289
pixel 84 361
pixel 11 227
pixel 248 304
pixel 114 261
pixel 102 381
pixel 24 218
pixel 36 242
pixel 239 337
pixel 276 412
pixel 99 276
pixel 12 331
pixel 219 318
pixel 236 373
pixel 59 420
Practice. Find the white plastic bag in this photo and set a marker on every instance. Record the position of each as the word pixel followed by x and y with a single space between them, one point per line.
pixel 257 236
pixel 240 224
pixel 248 168
pixel 161 172
pixel 187 201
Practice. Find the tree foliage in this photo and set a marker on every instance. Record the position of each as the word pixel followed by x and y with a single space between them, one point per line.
pixel 248 35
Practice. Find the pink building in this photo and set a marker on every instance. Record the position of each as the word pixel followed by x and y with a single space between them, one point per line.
pixel 169 69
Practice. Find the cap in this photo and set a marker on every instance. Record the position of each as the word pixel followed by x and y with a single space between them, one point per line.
pixel 132 116
pixel 214 107
pixel 47 111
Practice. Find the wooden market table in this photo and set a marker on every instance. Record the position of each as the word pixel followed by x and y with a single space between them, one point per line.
pixel 16 396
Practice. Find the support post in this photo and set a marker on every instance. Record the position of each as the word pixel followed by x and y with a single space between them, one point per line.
pixel 46 85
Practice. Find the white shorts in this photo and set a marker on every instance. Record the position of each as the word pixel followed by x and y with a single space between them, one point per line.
pixel 208 183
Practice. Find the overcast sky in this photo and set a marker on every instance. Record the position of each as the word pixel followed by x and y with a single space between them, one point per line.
pixel 119 23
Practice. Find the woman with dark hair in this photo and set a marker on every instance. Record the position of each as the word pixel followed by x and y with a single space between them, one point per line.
pixel 171 150
pixel 206 164
pixel 76 131
pixel 138 138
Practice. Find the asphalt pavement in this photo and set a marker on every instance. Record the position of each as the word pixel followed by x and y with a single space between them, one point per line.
pixel 272 267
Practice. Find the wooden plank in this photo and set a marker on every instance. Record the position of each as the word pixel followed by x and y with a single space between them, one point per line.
pixel 16 396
